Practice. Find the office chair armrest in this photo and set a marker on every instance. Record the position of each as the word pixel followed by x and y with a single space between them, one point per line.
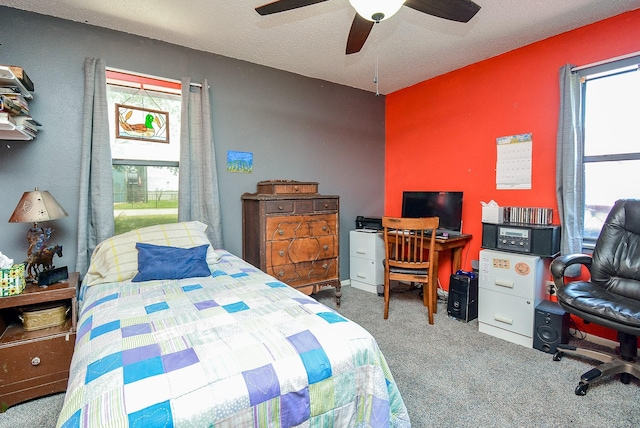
pixel 560 264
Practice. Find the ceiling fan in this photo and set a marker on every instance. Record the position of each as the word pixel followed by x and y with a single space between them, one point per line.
pixel 370 12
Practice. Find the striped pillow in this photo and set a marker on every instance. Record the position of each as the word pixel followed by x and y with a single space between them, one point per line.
pixel 116 259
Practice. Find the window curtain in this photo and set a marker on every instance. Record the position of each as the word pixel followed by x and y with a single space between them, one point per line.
pixel 569 174
pixel 95 211
pixel 198 183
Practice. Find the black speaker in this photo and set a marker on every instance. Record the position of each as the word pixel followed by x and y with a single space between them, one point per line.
pixel 462 303
pixel 551 327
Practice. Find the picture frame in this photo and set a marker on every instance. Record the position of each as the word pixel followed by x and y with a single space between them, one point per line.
pixel 241 162
pixel 142 124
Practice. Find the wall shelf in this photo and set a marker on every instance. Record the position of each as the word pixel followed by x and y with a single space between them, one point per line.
pixel 12 131
pixel 9 80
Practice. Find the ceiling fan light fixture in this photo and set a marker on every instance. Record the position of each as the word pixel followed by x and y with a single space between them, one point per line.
pixel 376 10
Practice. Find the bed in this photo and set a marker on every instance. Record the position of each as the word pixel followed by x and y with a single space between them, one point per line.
pixel 161 343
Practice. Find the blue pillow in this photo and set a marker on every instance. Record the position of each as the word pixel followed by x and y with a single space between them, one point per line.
pixel 161 262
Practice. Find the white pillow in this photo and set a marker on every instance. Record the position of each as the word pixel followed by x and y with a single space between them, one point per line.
pixel 116 259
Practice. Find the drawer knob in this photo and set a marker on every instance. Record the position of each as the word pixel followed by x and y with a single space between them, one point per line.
pixel 280 207
pixel 280 232
pixel 35 361
pixel 324 228
pixel 325 266
pixel 296 188
pixel 326 205
pixel 281 273
pixel 281 253
pixel 326 247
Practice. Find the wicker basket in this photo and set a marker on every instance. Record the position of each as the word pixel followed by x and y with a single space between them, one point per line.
pixel 12 280
pixel 43 316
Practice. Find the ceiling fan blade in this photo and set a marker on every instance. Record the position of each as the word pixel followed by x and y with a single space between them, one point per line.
pixel 284 5
pixel 455 10
pixel 360 29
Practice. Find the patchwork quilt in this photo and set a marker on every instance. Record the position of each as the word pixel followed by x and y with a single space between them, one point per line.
pixel 235 349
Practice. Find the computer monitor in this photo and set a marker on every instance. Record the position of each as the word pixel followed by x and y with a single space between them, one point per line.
pixel 445 205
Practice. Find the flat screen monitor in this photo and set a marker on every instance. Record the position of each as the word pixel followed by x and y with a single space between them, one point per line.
pixel 445 205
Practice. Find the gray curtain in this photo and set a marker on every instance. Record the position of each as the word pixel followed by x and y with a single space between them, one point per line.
pixel 569 173
pixel 198 195
pixel 95 211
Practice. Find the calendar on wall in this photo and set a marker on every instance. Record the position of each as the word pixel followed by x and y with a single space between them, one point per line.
pixel 513 166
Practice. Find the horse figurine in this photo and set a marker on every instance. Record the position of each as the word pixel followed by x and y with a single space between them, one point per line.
pixel 42 261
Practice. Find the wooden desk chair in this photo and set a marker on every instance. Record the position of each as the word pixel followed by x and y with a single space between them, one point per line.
pixel 406 240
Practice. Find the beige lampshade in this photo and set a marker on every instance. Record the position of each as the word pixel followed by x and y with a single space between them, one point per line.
pixel 37 206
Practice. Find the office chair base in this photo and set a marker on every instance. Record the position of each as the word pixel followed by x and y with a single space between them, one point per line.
pixel 611 365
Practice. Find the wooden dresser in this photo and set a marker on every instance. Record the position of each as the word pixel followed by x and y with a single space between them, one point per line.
pixel 291 232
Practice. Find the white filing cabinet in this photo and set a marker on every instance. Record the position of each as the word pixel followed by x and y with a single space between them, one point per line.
pixel 366 253
pixel 509 289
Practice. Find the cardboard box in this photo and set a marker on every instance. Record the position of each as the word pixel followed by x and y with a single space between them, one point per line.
pixel 492 214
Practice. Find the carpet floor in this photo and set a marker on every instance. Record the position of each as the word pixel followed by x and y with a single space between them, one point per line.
pixel 450 375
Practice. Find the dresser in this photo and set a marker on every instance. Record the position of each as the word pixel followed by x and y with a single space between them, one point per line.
pixel 366 253
pixel 509 289
pixel 292 232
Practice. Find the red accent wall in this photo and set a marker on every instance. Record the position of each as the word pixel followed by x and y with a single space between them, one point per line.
pixel 441 133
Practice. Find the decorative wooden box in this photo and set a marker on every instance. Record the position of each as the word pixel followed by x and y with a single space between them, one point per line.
pixel 286 187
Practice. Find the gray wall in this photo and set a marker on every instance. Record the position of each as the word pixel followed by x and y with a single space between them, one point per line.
pixel 297 128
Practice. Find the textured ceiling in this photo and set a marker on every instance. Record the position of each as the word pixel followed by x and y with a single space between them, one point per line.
pixel 406 49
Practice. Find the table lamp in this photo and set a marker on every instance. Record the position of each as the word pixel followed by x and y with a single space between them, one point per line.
pixel 35 207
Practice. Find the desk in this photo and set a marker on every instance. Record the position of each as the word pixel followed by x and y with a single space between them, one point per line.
pixel 455 244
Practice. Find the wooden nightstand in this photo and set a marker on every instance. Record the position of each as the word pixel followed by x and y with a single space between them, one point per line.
pixel 36 363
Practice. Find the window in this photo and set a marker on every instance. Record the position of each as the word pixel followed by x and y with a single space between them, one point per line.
pixel 145 171
pixel 611 161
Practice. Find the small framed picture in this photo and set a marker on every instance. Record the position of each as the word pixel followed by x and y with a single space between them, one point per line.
pixel 239 162
pixel 138 123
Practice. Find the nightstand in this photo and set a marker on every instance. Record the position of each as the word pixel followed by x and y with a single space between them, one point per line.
pixel 36 363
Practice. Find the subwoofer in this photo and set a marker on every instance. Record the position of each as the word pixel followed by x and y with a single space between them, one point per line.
pixel 551 327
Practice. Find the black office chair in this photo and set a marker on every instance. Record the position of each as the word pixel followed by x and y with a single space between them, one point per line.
pixel 611 297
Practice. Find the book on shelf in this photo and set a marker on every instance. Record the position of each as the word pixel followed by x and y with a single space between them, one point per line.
pixel 9 90
pixel 6 118
pixel 19 100
pixel 9 105
pixel 27 125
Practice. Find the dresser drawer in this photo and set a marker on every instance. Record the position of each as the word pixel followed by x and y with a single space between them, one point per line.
pixel 285 228
pixel 279 206
pixel 325 205
pixel 305 272
pixel 28 364
pixel 322 225
pixel 301 250
pixel 295 226
pixel 506 311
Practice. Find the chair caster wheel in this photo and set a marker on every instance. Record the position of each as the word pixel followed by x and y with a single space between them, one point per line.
pixel 558 356
pixel 581 389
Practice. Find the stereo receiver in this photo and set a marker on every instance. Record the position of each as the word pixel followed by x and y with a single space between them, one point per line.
pixel 539 240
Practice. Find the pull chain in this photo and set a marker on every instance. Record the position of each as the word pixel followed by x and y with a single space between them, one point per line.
pixel 375 78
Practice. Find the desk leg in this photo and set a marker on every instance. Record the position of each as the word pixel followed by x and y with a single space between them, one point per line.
pixel 456 259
